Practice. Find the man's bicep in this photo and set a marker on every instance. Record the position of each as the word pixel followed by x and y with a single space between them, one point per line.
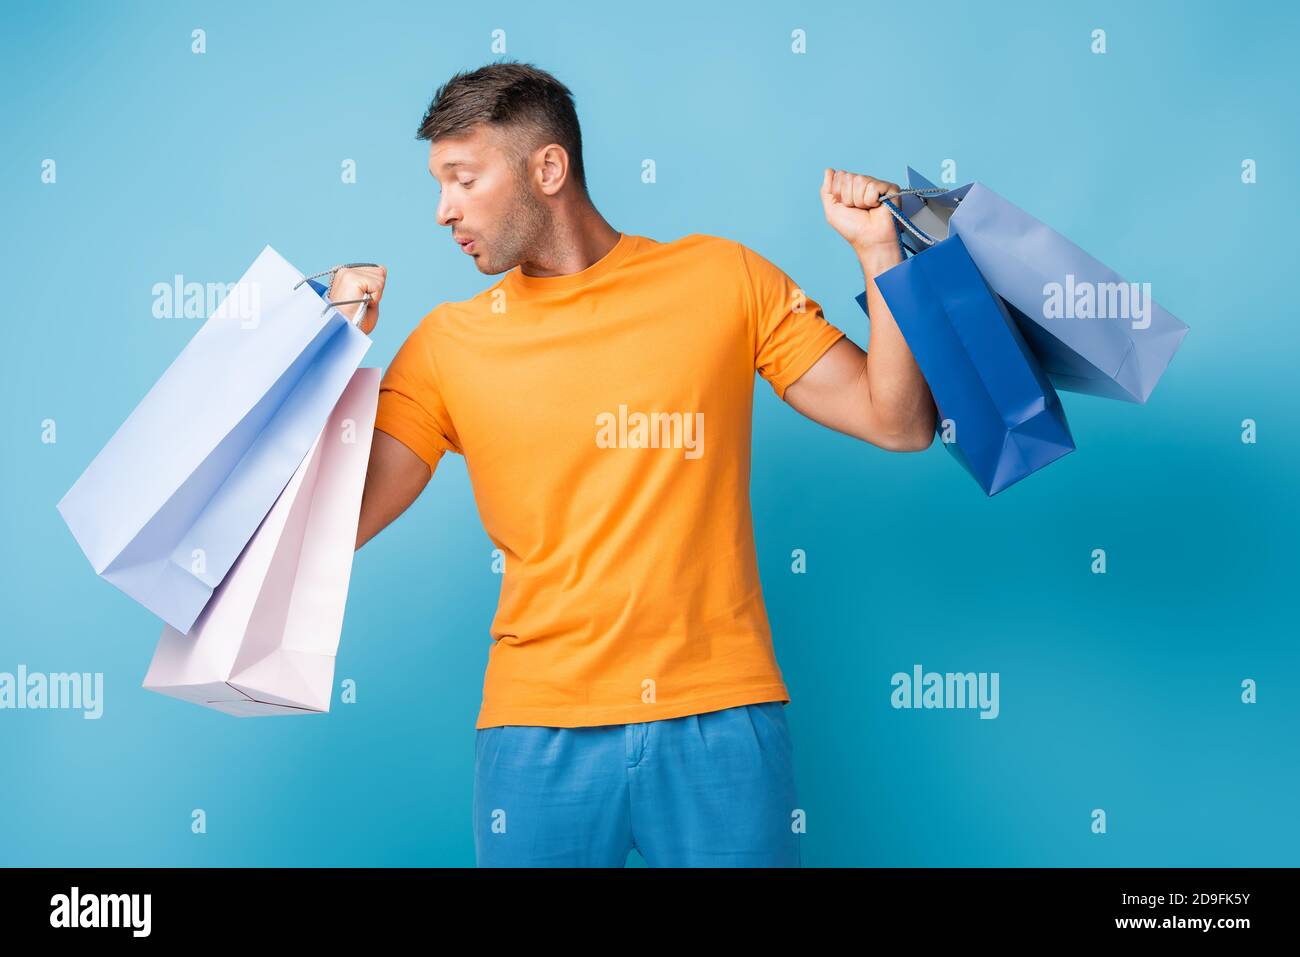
pixel 395 477
pixel 833 391
pixel 790 331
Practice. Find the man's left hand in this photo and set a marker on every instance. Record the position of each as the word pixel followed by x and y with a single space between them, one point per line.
pixel 852 204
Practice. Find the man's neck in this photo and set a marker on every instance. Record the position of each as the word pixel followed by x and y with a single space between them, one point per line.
pixel 574 244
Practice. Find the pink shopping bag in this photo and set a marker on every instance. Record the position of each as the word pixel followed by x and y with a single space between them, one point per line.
pixel 266 642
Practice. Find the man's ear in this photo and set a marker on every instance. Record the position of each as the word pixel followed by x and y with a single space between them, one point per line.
pixel 553 166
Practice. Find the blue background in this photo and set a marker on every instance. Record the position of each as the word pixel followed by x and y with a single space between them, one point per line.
pixel 1119 692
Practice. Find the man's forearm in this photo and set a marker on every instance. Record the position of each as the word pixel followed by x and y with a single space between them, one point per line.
pixel 892 381
pixel 879 395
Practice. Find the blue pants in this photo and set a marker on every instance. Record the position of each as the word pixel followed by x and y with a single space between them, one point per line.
pixel 707 790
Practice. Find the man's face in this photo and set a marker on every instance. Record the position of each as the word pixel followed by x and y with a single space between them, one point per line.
pixel 493 212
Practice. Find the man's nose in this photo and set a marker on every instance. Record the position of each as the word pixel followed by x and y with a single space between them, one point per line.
pixel 447 213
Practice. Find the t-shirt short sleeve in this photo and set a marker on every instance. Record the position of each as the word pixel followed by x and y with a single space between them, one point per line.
pixel 789 330
pixel 411 407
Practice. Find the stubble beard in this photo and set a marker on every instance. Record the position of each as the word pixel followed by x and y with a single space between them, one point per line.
pixel 522 232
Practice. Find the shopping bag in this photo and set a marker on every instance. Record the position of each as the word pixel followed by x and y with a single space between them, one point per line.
pixel 167 505
pixel 998 414
pixel 266 642
pixel 1092 331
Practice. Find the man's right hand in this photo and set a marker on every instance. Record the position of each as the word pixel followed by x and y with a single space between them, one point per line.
pixel 354 283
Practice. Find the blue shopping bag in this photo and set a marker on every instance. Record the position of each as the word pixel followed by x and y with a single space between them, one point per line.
pixel 168 504
pixel 1092 331
pixel 998 414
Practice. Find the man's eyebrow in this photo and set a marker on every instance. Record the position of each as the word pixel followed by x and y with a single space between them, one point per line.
pixel 450 163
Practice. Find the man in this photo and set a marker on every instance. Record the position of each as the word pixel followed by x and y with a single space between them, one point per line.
pixel 601 392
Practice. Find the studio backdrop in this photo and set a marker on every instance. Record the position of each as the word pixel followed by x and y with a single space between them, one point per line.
pixel 1127 612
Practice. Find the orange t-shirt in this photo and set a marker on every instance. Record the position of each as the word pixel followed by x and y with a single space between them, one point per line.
pixel 605 419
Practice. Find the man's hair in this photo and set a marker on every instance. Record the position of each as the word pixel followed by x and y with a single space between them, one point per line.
pixel 535 107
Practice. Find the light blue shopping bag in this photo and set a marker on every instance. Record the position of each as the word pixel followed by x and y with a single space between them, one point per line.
pixel 1092 331
pixel 165 508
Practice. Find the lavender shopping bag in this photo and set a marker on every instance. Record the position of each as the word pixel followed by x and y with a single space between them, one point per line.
pixel 266 642
pixel 1092 331
pixel 167 505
